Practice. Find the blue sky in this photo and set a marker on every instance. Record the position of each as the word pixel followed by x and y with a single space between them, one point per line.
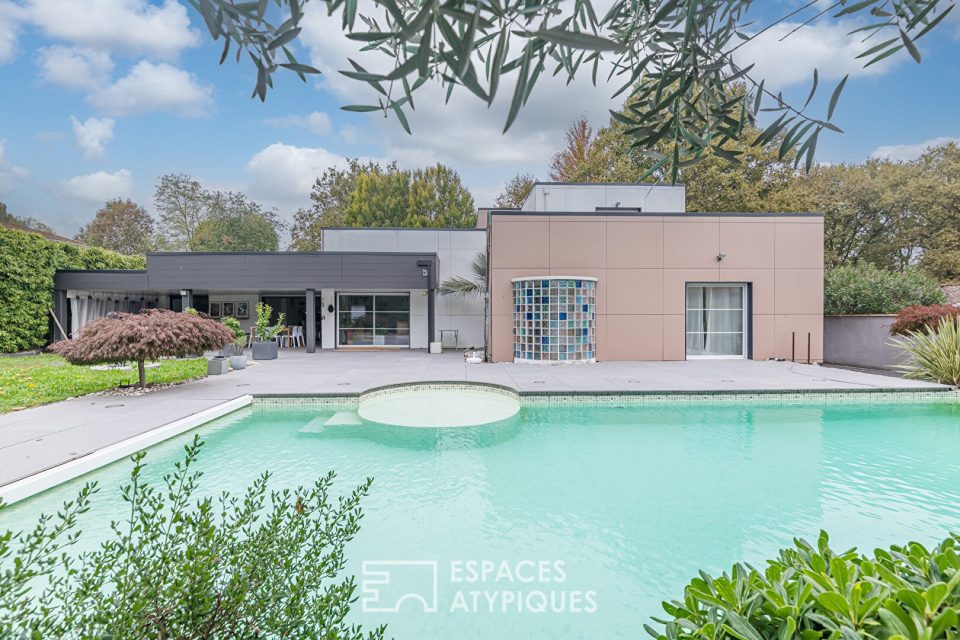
pixel 103 96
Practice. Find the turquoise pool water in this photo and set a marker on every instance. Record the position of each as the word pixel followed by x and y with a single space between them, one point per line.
pixel 594 513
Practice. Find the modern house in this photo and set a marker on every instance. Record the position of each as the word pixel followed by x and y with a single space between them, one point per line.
pixel 581 272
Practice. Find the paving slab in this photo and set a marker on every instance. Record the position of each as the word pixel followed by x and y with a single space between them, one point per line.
pixel 37 439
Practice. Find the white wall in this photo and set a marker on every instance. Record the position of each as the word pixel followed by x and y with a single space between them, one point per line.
pixel 455 249
pixel 587 197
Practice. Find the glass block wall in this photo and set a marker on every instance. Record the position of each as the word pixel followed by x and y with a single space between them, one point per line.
pixel 554 319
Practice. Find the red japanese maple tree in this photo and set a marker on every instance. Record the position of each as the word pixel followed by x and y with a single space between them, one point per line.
pixel 138 337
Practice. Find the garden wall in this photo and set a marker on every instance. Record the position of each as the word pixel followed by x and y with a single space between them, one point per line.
pixel 28 262
pixel 860 341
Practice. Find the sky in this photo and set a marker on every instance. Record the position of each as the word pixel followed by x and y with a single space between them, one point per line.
pixel 101 97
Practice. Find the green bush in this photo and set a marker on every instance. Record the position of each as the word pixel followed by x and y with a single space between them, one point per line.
pixel 933 354
pixel 812 593
pixel 181 565
pixel 26 288
pixel 239 335
pixel 863 288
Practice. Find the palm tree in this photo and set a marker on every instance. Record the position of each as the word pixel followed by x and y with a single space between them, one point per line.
pixel 462 287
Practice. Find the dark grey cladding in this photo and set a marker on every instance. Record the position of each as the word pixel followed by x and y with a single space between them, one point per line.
pixel 278 271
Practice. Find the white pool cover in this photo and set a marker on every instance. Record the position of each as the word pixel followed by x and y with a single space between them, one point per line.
pixel 439 407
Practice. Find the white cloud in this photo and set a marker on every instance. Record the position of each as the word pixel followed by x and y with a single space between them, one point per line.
pixel 907 152
pixel 155 87
pixel 133 26
pixel 284 174
pixel 92 135
pixel 99 187
pixel 824 46
pixel 317 122
pixel 74 68
pixel 9 26
pixel 10 174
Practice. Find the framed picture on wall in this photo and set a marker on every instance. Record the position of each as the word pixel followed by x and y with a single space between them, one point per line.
pixel 214 310
pixel 227 308
pixel 243 310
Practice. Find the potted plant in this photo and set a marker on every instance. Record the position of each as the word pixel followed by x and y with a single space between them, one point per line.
pixel 265 345
pixel 235 349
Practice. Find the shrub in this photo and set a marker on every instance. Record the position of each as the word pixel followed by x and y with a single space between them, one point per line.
pixel 265 331
pixel 138 337
pixel 239 335
pixel 933 354
pixel 256 565
pixel 921 318
pixel 863 289
pixel 26 288
pixel 811 592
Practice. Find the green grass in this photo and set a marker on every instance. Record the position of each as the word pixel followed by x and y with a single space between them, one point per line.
pixel 34 380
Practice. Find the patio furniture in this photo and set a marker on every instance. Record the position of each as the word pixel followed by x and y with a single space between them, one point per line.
pixel 296 337
pixel 283 338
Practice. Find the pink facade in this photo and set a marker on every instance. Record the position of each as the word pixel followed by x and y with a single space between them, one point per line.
pixel 644 264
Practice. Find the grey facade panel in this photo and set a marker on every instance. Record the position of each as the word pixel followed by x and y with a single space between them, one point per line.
pixel 285 271
pixel 101 280
pixel 261 271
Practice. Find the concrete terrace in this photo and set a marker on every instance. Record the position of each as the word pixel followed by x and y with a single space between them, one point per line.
pixel 41 438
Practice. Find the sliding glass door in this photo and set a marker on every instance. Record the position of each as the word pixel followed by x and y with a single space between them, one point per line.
pixel 717 320
pixel 373 320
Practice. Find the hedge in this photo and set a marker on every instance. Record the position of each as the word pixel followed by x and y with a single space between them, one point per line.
pixel 864 289
pixel 27 264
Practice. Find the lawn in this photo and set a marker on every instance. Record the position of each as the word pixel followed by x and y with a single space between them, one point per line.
pixel 33 380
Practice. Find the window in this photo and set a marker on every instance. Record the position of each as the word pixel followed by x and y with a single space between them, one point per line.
pixel 373 320
pixel 716 321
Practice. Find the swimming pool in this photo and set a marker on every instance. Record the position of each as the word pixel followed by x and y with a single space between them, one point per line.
pixel 592 510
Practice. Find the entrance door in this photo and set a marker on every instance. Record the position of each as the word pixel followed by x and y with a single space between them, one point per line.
pixel 373 320
pixel 716 320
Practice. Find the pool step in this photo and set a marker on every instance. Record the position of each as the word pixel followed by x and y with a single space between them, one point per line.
pixel 340 418
pixel 344 418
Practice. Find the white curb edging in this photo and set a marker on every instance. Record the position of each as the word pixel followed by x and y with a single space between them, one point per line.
pixel 32 485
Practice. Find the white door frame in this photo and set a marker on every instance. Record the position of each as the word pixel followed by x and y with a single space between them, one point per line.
pixel 746 320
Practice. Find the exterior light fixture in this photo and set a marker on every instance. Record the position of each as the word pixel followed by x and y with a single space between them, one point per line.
pixel 721 256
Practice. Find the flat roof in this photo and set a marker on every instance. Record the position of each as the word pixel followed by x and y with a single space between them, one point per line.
pixel 610 184
pixel 609 213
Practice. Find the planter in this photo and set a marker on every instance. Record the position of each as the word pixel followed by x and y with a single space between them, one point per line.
pixel 231 350
pixel 264 350
pixel 218 366
pixel 238 362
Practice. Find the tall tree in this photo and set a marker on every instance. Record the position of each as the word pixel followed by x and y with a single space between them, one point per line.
pixel 232 222
pixel 868 214
pixel 330 195
pixel 120 225
pixel 938 197
pixel 515 192
pixel 182 204
pixel 242 232
pixel 575 154
pixel 437 198
pixel 380 200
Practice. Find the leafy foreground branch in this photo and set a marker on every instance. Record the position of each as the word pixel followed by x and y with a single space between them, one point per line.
pixel 255 566
pixel 676 59
pixel 810 592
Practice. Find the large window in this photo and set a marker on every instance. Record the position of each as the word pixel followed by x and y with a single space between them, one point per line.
pixel 716 321
pixel 373 320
